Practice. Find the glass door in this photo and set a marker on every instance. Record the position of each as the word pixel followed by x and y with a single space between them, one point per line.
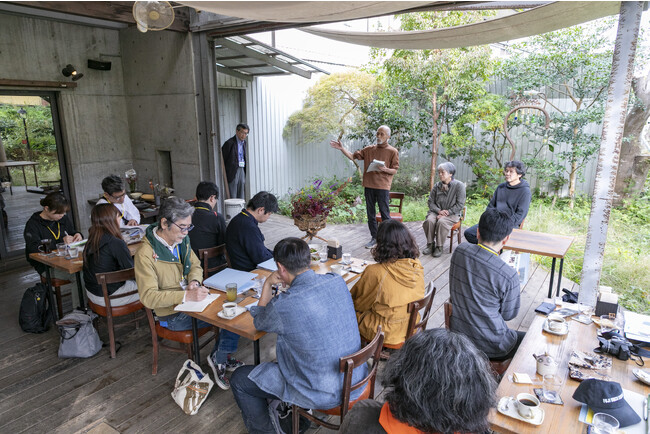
pixel 31 162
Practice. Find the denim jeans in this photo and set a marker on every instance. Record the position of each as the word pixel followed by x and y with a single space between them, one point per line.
pixel 227 340
pixel 380 197
pixel 252 402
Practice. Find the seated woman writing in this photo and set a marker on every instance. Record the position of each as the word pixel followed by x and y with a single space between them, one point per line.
pixel 106 251
pixel 169 273
pixel 51 223
pixel 439 382
pixel 385 289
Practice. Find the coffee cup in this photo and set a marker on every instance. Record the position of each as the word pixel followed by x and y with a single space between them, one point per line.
pixel 337 269
pixel 45 246
pixel 229 309
pixel 527 405
pixel 556 323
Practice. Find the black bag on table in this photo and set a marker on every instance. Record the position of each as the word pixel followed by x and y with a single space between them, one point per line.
pixel 35 313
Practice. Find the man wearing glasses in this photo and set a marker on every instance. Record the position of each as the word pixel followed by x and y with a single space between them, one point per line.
pixel 168 273
pixel 114 193
pixel 234 161
pixel 511 197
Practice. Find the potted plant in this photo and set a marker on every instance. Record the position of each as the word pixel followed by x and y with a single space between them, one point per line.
pixel 311 205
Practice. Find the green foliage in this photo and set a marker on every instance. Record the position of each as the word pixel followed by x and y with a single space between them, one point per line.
pixel 332 106
pixel 573 63
pixel 484 117
pixel 411 179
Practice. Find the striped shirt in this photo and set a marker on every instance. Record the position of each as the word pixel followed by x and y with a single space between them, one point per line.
pixel 484 293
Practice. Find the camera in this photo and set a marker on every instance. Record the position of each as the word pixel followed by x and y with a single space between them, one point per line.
pixel 616 346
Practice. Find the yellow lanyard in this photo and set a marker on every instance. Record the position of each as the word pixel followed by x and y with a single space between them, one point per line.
pixel 244 213
pixel 115 205
pixel 56 237
pixel 200 207
pixel 488 249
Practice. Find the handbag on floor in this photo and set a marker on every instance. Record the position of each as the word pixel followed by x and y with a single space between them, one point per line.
pixel 78 336
pixel 192 387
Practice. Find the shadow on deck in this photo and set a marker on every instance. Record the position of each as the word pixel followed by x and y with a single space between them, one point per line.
pixel 40 392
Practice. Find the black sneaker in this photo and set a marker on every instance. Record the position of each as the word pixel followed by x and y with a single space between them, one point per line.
pixel 219 372
pixel 285 417
pixel 372 243
pixel 232 364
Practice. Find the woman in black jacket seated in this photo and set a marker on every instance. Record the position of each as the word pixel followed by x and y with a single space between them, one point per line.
pixel 52 224
pixel 106 251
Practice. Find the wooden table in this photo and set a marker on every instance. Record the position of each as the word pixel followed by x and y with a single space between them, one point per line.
pixel 150 212
pixel 21 164
pixel 70 266
pixel 540 243
pixel 243 324
pixel 558 419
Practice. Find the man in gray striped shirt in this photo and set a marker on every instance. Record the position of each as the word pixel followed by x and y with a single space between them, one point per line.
pixel 485 290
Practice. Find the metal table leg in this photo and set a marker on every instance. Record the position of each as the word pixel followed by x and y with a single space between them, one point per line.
pixel 256 351
pixel 550 285
pixel 195 342
pixel 559 277
pixel 81 291
pixel 50 294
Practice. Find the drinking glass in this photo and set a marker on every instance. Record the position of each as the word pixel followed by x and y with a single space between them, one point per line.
pixel 347 258
pixel 60 249
pixel 603 423
pixel 323 254
pixel 549 389
pixel 71 253
pixel 231 291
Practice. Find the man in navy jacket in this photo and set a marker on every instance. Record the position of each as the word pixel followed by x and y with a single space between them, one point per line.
pixel 234 161
pixel 244 240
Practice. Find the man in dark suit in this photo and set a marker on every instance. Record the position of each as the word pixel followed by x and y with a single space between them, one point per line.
pixel 234 160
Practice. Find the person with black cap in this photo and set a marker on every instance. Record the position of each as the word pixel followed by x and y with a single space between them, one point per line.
pixel 606 397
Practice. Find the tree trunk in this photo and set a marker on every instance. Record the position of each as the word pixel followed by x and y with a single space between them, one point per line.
pixel 434 141
pixel 634 161
pixel 574 171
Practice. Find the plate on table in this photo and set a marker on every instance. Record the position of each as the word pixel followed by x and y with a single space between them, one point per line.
pixel 561 332
pixel 642 375
pixel 508 407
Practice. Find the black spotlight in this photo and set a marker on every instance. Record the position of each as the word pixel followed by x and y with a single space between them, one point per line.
pixel 70 70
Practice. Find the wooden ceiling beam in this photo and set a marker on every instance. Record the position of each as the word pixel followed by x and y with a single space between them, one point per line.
pixel 121 12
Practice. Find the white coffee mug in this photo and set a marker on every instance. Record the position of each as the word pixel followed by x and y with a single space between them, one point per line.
pixel 229 309
pixel 337 269
pixel 556 323
pixel 527 405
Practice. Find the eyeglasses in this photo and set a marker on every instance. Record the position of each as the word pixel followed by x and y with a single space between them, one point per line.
pixel 184 228
pixel 119 196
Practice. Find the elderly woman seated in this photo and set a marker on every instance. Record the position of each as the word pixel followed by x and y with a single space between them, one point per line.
pixel 386 288
pixel 439 382
pixel 446 203
pixel 168 273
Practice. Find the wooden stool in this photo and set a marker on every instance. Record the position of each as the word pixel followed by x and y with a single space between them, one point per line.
pixel 57 284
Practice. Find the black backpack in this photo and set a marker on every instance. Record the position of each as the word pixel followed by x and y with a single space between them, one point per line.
pixel 35 311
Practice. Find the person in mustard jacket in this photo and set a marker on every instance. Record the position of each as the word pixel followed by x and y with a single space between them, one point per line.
pixel 386 288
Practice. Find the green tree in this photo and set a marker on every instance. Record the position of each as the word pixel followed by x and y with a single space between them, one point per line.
pixel 426 90
pixel 572 63
pixel 483 118
pixel 333 106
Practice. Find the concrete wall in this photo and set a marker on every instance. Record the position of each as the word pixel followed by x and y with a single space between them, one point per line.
pixel 94 121
pixel 162 106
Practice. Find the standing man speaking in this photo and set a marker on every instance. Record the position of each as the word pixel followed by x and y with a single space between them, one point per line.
pixel 377 182
pixel 234 160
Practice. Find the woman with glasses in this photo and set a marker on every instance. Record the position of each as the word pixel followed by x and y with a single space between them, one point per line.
pixel 168 273
pixel 106 251
pixel 115 194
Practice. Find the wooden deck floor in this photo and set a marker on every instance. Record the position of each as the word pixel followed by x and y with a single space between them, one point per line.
pixel 41 393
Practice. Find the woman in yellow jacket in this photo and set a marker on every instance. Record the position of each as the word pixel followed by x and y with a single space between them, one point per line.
pixel 385 289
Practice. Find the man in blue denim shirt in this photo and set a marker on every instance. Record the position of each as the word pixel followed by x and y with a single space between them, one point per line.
pixel 316 325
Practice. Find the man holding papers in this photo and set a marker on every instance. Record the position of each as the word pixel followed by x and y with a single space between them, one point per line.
pixel 244 240
pixel 377 177
pixel 168 273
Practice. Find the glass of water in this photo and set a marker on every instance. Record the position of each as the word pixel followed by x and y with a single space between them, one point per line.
pixel 603 423
pixel 323 254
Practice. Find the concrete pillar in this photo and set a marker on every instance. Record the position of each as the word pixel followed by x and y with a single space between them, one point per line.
pixel 610 148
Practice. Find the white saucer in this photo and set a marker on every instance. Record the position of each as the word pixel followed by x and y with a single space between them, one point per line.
pixel 508 407
pixel 642 375
pixel 238 311
pixel 562 332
